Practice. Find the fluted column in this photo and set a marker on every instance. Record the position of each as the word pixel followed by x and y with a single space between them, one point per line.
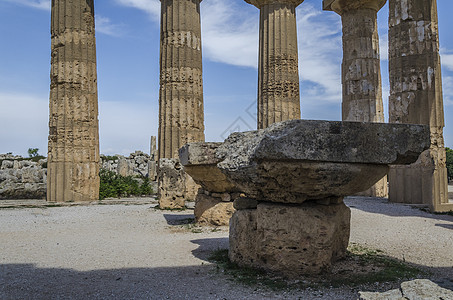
pixel 73 152
pixel 416 98
pixel 361 73
pixel 181 116
pixel 278 72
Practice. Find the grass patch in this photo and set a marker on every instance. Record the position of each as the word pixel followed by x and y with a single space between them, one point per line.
pixel 361 266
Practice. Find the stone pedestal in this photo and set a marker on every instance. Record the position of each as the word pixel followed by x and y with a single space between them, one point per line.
pixel 293 240
pixel 295 175
pixel 278 72
pixel 73 150
pixel 416 98
pixel 361 73
pixel 171 184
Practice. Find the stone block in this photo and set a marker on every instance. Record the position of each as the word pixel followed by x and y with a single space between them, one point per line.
pixel 212 211
pixel 292 240
pixel 171 184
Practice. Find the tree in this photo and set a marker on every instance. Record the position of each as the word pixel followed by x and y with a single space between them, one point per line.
pixel 33 152
pixel 449 163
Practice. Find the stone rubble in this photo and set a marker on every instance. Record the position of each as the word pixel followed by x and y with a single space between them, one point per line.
pixel 21 178
pixel 411 290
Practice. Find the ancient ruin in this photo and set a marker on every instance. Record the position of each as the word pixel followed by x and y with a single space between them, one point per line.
pixel 278 71
pixel 181 116
pixel 73 154
pixel 361 70
pixel 416 98
pixel 293 219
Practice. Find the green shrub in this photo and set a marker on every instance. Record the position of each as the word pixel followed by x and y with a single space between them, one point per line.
pixel 33 152
pixel 108 157
pixel 449 163
pixel 114 185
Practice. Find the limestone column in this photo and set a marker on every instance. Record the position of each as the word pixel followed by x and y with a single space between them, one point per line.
pixel 416 98
pixel 361 73
pixel 278 72
pixel 73 154
pixel 181 117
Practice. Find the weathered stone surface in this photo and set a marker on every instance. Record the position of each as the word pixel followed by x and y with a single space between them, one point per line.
pixel 424 289
pixel 22 179
pixel 416 98
pixel 153 149
pixel 341 6
pixel 278 73
pixel 136 164
pixel 389 295
pixel 152 170
pixel 361 71
pixel 171 183
pixel 73 167
pixel 245 203
pixel 415 289
pixel 210 210
pixel 200 160
pixel 191 188
pixel 298 160
pixel 181 118
pixel 292 240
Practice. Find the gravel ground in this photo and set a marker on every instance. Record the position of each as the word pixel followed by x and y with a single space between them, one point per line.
pixel 136 252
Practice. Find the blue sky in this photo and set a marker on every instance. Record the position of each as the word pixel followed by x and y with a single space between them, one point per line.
pixel 127 33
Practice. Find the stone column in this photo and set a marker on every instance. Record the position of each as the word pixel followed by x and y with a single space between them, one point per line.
pixel 278 73
pixel 181 118
pixel 416 98
pixel 361 73
pixel 73 155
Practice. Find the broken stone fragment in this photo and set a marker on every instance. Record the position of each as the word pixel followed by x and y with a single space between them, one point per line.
pixel 245 203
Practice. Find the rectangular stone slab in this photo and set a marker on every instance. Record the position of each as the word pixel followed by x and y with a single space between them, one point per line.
pixel 329 141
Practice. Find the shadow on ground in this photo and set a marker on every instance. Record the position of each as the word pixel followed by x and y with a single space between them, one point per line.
pixel 206 246
pixel 26 281
pixel 384 207
pixel 179 219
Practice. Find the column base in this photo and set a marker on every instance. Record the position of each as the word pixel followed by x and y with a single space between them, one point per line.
pixel 291 240
pixel 422 182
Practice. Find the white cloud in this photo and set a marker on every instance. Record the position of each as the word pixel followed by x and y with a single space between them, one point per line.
pixel 126 127
pixel 384 47
pixel 320 52
pixel 447 59
pixel 152 7
pixel 23 123
pixel 104 25
pixel 447 85
pixel 39 4
pixel 230 33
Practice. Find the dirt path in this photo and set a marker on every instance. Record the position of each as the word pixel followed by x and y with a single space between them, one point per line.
pixel 137 252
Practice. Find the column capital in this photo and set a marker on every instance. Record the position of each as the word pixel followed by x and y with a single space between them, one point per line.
pixel 191 0
pixel 341 6
pixel 261 3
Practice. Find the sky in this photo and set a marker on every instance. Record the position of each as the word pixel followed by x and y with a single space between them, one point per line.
pixel 127 36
